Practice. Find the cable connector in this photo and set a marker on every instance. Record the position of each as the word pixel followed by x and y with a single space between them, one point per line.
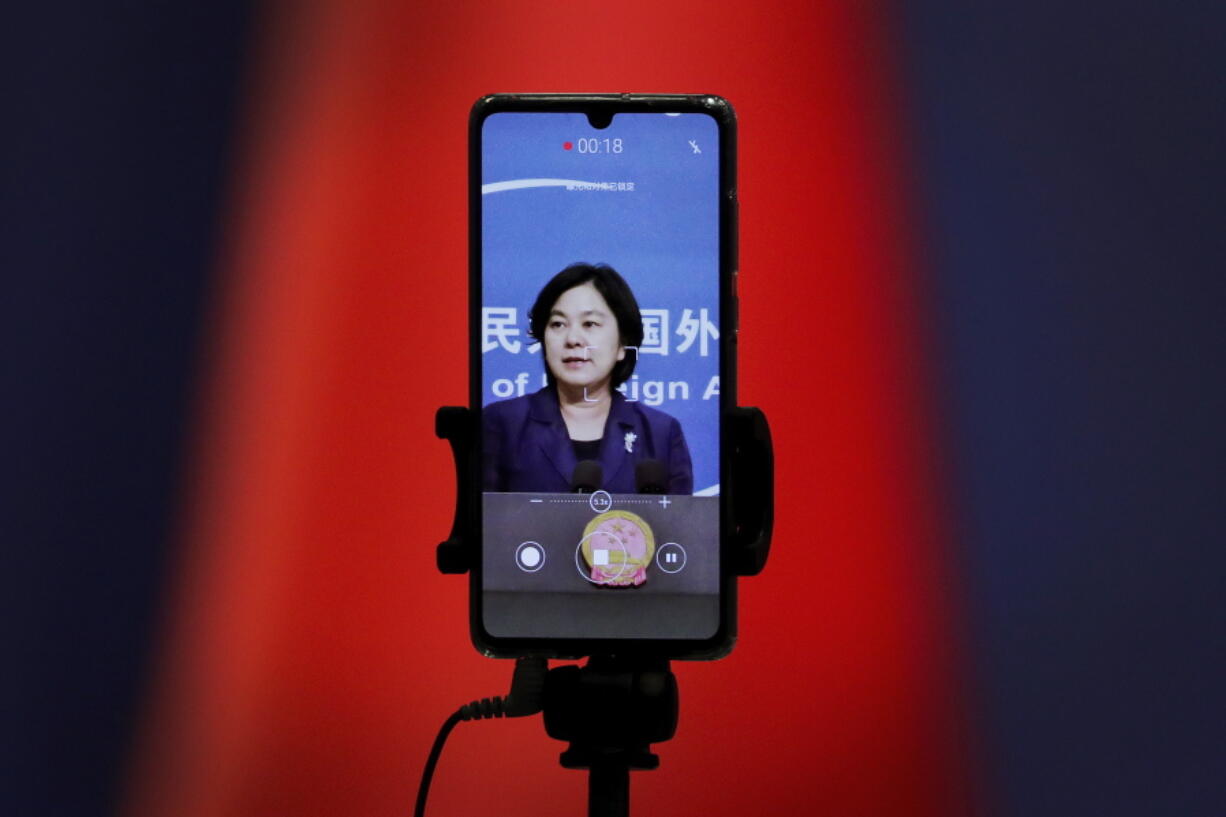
pixel 527 695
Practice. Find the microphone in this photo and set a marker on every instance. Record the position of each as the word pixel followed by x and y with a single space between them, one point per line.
pixel 650 477
pixel 587 478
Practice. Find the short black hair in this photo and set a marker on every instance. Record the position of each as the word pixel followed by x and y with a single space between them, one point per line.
pixel 617 294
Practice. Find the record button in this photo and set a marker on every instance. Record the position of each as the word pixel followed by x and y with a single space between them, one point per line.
pixel 530 557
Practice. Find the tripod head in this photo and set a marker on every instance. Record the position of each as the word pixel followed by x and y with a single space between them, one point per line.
pixel 641 694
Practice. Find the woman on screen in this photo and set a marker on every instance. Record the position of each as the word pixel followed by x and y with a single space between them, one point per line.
pixel 589 327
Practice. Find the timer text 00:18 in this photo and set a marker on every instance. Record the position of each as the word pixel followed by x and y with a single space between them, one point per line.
pixel 597 145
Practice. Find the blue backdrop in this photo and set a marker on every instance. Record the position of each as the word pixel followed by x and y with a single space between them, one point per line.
pixel 642 196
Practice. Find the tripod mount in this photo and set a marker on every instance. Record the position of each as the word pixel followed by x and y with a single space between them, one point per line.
pixel 642 693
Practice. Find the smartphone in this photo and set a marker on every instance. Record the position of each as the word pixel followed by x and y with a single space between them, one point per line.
pixel 602 336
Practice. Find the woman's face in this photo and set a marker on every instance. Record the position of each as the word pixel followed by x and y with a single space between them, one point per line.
pixel 582 339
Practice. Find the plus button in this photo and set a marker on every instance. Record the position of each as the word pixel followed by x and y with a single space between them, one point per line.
pixel 664 503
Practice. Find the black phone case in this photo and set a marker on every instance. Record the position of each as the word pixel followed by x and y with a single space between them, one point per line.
pixel 597 106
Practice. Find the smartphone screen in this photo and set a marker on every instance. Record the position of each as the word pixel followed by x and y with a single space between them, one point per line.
pixel 602 274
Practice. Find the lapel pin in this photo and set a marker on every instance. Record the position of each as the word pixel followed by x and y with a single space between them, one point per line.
pixel 630 438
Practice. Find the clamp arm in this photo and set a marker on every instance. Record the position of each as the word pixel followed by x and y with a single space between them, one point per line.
pixel 457 425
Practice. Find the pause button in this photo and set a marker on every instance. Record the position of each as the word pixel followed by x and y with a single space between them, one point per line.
pixel 670 557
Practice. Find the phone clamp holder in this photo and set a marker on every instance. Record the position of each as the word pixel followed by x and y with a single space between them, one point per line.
pixel 614 707
pixel 751 492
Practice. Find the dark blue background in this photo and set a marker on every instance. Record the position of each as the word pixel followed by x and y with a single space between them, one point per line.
pixel 1071 196
pixel 118 123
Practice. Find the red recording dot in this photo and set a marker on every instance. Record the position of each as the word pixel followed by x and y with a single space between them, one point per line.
pixel 567 146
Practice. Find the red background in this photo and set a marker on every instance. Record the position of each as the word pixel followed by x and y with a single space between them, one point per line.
pixel 312 650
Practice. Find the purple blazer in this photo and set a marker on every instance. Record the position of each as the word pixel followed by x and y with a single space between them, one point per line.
pixel 527 448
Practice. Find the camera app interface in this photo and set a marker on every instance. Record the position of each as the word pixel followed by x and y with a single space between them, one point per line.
pixel 600 375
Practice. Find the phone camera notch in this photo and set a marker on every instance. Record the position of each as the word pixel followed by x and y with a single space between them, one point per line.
pixel 600 119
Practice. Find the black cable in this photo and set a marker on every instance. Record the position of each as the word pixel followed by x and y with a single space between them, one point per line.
pixel 525 698
pixel 437 749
